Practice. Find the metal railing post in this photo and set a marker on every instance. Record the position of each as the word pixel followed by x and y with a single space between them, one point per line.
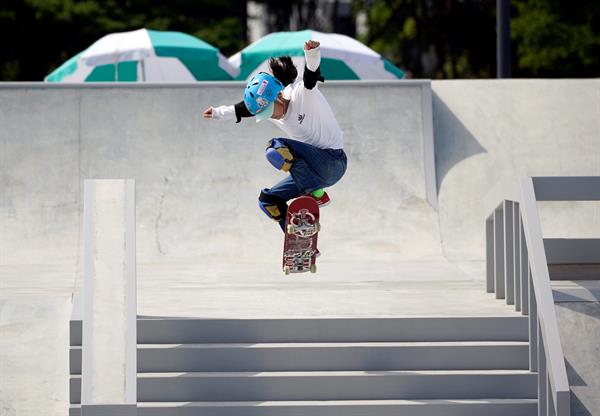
pixel 542 375
pixel 489 254
pixel 517 255
pixel 550 401
pixel 524 266
pixel 533 327
pixel 499 252
pixel 509 276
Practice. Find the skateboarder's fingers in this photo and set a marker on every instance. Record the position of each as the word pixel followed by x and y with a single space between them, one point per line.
pixel 311 44
pixel 207 113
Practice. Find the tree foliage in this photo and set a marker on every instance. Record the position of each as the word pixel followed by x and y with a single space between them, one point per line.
pixel 433 39
pixel 457 38
pixel 426 38
pixel 555 38
pixel 39 35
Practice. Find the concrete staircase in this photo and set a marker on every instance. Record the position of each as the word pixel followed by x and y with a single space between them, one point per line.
pixel 413 366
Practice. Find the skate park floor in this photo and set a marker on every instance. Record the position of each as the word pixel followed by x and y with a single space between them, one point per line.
pixel 540 127
pixel 214 291
pixel 36 305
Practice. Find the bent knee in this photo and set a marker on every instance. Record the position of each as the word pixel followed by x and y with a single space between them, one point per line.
pixel 279 155
pixel 274 207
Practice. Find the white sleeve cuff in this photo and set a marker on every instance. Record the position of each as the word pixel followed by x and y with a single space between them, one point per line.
pixel 313 58
pixel 224 112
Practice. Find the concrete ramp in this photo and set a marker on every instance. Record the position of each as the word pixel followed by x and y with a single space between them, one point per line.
pixel 198 180
pixel 405 198
pixel 204 248
pixel 488 130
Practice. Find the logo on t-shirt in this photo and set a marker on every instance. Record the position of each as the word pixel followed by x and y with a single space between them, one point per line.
pixel 301 117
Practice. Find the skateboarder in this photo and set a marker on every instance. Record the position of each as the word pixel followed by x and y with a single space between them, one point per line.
pixel 313 154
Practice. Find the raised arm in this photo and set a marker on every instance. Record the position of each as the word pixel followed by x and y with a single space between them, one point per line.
pixel 228 112
pixel 312 70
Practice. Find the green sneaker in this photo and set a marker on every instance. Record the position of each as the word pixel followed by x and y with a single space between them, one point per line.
pixel 321 197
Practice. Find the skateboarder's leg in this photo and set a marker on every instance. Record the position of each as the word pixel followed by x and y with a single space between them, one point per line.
pixel 279 155
pixel 273 201
pixel 313 168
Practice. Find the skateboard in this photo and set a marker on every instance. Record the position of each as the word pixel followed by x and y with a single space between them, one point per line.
pixel 301 231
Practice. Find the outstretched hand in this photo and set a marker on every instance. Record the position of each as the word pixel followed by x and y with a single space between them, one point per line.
pixel 311 44
pixel 208 113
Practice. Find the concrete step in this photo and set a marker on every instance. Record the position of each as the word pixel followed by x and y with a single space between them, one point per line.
pixel 483 407
pixel 404 329
pixel 330 385
pixel 358 356
pixel 367 356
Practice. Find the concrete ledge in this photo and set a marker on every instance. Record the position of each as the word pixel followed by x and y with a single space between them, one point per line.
pixel 574 271
pixel 109 364
pixel 109 410
pixel 572 250
pixel 576 291
pixel 567 188
pixel 201 84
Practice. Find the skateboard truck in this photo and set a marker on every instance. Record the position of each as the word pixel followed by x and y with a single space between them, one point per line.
pixel 303 224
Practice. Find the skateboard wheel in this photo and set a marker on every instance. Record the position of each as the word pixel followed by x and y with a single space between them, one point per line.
pixel 286 270
pixel 313 268
pixel 290 229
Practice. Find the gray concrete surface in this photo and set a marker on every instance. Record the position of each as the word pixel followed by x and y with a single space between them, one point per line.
pixel 203 246
pixel 579 324
pixel 109 306
pixel 576 290
pixel 34 360
pixel 487 130
pixel 197 180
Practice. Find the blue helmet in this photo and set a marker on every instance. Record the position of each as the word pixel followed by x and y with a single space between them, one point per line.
pixel 261 92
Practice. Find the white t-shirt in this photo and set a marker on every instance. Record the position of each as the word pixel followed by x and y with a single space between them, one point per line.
pixel 308 119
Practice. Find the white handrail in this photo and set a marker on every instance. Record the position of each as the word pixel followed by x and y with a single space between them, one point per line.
pixel 506 230
pixel 540 277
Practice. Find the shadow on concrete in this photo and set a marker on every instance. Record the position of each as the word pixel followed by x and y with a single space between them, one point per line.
pixel 591 309
pixel 578 408
pixel 573 376
pixel 452 140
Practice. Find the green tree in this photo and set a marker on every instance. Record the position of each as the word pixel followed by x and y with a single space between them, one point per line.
pixel 38 35
pixel 555 38
pixel 433 39
pixel 457 39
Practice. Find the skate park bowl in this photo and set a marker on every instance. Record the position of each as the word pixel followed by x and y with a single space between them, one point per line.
pixel 422 156
pixel 198 180
pixel 404 234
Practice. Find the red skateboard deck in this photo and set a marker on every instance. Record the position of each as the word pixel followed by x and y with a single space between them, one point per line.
pixel 301 231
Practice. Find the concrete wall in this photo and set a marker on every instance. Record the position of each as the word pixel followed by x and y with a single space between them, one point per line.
pixel 197 180
pixel 197 184
pixel 579 324
pixel 489 130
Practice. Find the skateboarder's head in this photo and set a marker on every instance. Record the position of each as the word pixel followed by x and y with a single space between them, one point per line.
pixel 264 106
pixel 283 69
pixel 260 93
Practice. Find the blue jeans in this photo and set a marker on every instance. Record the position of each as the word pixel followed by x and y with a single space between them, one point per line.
pixel 312 168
